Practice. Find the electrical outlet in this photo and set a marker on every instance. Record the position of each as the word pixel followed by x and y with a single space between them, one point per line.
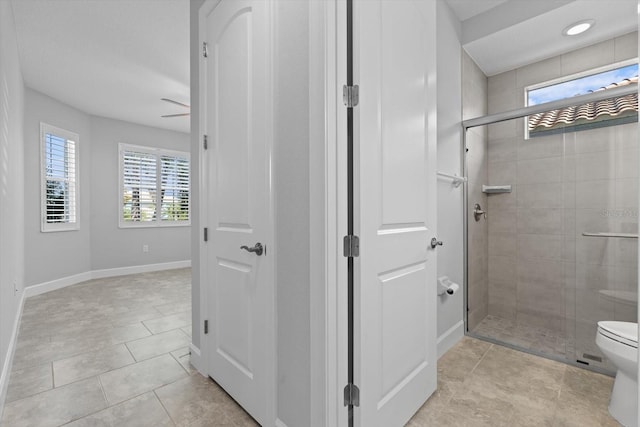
pixel 145 248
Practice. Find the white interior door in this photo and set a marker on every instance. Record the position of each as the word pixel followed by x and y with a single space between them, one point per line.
pixel 240 283
pixel 394 60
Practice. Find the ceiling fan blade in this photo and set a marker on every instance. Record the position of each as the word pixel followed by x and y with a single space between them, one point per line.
pixel 175 102
pixel 176 115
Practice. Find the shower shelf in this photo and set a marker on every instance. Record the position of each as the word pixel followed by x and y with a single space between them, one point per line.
pixel 607 234
pixel 495 189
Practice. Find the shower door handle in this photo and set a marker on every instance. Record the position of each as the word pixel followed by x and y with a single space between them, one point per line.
pixel 435 242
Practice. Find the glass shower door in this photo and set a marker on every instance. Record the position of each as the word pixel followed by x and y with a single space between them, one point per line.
pixel 601 192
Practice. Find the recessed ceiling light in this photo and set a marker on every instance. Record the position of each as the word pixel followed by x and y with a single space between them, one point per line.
pixel 578 27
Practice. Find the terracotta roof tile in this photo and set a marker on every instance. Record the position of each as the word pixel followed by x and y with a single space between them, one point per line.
pixel 587 112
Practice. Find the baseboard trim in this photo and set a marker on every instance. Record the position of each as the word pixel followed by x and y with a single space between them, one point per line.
pixel 450 338
pixel 8 360
pixel 63 282
pixel 53 285
pixel 279 423
pixel 137 269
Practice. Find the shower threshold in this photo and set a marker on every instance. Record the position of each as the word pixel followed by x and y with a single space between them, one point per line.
pixel 533 340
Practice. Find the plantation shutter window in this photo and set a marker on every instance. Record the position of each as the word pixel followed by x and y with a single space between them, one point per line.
pixel 59 186
pixel 139 187
pixel 175 188
pixel 155 187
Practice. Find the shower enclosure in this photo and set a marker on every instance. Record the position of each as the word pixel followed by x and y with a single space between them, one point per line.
pixel 551 229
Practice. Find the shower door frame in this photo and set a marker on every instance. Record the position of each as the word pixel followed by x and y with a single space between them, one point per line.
pixel 501 117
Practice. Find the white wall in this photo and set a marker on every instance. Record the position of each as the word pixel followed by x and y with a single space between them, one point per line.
pixel 60 254
pixel 112 246
pixel 450 199
pixel 11 190
pixel 99 244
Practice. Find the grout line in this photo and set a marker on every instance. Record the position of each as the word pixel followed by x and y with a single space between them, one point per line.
pixel 147 328
pixel 104 394
pixel 481 359
pixel 129 350
pixel 53 377
pixel 162 404
pixel 176 359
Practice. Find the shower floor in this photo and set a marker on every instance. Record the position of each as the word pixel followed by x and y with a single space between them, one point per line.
pixel 536 339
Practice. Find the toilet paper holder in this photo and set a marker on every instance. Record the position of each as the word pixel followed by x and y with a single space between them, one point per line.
pixel 446 286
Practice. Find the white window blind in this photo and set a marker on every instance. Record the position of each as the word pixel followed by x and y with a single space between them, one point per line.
pixel 59 179
pixel 175 188
pixel 139 186
pixel 154 187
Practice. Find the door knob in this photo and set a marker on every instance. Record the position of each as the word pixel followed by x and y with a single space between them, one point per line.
pixel 258 249
pixel 435 242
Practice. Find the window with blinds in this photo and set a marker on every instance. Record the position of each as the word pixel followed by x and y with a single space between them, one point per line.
pixel 59 184
pixel 154 188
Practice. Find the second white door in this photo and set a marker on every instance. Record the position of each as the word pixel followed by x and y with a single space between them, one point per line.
pixel 395 134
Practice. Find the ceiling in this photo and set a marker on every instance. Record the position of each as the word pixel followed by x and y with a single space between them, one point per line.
pixel 112 58
pixel 465 9
pixel 117 58
pixel 503 35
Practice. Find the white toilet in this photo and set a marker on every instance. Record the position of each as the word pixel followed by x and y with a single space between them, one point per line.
pixel 619 343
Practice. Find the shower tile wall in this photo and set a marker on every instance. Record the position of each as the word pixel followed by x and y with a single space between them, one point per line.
pixel 474 104
pixel 542 272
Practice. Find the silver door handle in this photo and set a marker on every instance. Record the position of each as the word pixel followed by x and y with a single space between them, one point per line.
pixel 435 242
pixel 258 249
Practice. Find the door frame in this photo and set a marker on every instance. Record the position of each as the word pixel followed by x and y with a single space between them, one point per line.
pixel 328 195
pixel 206 198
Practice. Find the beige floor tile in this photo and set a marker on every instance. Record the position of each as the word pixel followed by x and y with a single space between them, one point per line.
pixel 167 323
pixel 155 345
pixel 121 334
pixel 135 317
pixel 56 407
pixel 141 411
pixel 46 352
pixel 520 373
pixel 187 330
pixel 29 381
pixel 132 380
pixel 197 401
pixel 455 366
pixel 173 308
pixel 91 364
pixel 590 387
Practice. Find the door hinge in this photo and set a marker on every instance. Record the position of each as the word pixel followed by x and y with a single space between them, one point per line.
pixel 350 95
pixel 204 142
pixel 206 327
pixel 351 395
pixel 206 234
pixel 351 246
pixel 205 49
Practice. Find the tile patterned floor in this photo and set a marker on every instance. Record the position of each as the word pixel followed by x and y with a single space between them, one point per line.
pixel 114 352
pixel 483 384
